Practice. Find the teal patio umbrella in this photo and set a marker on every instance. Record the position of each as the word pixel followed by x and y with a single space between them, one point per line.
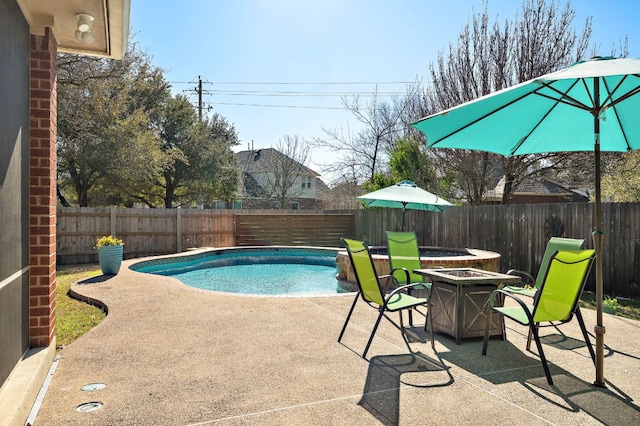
pixel 590 106
pixel 405 195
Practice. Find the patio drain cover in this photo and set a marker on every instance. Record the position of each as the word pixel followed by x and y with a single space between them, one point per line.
pixel 89 406
pixel 91 387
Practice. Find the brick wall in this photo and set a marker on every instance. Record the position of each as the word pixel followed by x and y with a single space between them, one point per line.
pixel 42 192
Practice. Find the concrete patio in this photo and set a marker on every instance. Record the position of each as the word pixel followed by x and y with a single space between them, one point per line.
pixel 172 355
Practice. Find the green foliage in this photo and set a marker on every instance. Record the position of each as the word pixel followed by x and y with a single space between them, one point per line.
pixel 104 135
pixel 611 302
pixel 411 160
pixel 621 182
pixel 380 180
pixel 124 139
pixel 200 162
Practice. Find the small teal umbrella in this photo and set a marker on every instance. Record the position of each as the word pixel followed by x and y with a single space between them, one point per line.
pixel 405 195
pixel 589 106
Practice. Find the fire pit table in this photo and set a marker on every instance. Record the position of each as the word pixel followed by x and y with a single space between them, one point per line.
pixel 459 298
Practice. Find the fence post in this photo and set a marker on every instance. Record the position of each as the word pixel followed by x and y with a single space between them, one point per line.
pixel 234 216
pixel 178 229
pixel 113 221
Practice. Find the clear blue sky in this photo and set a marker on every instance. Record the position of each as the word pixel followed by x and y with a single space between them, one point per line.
pixel 387 42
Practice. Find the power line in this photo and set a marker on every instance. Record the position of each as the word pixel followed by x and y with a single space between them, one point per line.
pixel 292 93
pixel 199 91
pixel 297 83
pixel 272 105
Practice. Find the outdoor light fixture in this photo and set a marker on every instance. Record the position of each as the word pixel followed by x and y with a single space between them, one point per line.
pixel 84 28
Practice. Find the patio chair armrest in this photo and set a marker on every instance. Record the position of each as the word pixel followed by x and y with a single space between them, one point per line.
pixel 408 288
pixel 525 277
pixel 523 305
pixel 387 280
pixel 406 274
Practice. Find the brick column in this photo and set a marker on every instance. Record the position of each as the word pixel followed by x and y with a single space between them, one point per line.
pixel 42 189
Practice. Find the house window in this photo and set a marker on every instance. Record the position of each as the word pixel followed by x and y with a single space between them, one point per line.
pixel 309 184
pixel 237 205
pixel 295 206
pixel 302 185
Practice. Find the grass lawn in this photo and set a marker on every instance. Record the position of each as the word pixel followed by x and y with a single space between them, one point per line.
pixel 74 318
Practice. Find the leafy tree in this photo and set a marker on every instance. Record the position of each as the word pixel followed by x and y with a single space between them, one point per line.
pixel 123 138
pixel 621 180
pixel 99 134
pixel 198 160
pixel 410 159
pixel 379 181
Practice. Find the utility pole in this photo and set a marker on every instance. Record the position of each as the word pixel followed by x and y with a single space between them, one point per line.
pixel 199 90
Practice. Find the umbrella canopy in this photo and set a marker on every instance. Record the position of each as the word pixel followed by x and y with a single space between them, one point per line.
pixel 590 106
pixel 405 195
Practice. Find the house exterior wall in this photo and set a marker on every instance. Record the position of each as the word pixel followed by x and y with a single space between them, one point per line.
pixel 306 197
pixel 266 179
pixel 42 189
pixel 14 190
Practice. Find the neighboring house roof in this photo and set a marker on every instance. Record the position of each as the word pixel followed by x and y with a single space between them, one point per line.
pixel 267 160
pixel 538 187
pixel 322 190
pixel 253 163
pixel 343 196
pixel 542 187
pixel 252 187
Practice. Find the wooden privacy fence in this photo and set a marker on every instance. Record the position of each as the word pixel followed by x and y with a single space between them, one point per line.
pixel 148 232
pixel 322 230
pixel 518 232
pixel 145 232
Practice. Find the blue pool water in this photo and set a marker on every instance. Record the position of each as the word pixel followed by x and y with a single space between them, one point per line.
pixel 262 271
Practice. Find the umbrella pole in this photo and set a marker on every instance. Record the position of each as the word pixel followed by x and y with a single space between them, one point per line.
pixel 598 243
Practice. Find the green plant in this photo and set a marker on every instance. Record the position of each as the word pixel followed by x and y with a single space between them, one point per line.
pixel 611 303
pixel 108 240
pixel 74 318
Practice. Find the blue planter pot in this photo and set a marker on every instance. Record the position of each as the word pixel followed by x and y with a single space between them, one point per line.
pixel 110 258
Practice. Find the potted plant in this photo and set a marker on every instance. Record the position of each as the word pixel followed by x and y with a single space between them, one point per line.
pixel 109 254
pixel 610 305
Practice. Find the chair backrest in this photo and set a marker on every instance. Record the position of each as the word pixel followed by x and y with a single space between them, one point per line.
pixel 403 251
pixel 555 244
pixel 562 286
pixel 364 270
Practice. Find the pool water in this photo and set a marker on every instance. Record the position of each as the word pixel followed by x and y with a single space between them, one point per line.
pixel 257 271
pixel 266 279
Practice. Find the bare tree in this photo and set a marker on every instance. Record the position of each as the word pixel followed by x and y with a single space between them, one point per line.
pixel 289 177
pixel 364 153
pixel 489 57
pixel 343 195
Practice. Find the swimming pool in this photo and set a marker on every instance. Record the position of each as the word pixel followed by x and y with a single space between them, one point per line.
pixel 270 270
